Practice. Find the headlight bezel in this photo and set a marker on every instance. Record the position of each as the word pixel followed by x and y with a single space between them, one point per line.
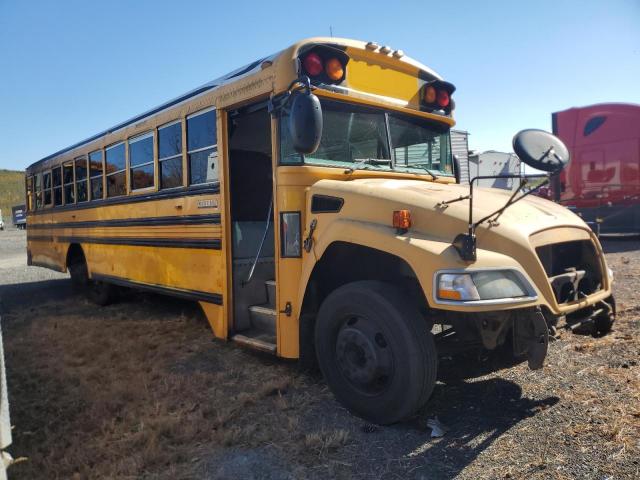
pixel 529 293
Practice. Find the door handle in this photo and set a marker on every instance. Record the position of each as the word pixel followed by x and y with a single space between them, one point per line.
pixel 287 309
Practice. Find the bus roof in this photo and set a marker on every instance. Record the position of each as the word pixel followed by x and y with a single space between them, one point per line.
pixel 241 72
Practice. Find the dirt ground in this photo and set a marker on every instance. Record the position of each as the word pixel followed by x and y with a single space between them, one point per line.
pixel 140 389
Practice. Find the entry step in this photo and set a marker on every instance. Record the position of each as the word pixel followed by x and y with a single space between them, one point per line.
pixel 263 318
pixel 264 343
pixel 271 293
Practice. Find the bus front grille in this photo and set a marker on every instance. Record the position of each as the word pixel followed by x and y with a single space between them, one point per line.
pixel 573 269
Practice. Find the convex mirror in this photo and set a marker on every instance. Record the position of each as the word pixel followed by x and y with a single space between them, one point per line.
pixel 305 122
pixel 541 150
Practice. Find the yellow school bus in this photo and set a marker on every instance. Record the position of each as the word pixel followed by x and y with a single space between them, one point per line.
pixel 310 203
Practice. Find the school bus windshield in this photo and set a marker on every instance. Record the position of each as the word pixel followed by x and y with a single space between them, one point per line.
pixel 353 135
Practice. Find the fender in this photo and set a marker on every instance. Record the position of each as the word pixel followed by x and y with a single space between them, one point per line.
pixel 424 255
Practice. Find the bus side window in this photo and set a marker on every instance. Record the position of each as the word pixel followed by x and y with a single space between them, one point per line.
pixel 95 169
pixel 115 169
pixel 201 145
pixel 38 181
pixel 46 187
pixel 142 167
pixel 69 187
pixel 170 155
pixel 81 180
pixel 57 185
pixel 30 193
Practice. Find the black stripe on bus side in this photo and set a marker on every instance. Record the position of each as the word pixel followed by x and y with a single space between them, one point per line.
pixel 183 192
pixel 196 243
pixel 135 222
pixel 161 289
pixel 40 238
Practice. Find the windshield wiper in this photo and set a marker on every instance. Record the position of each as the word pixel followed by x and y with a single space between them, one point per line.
pixel 426 169
pixel 362 163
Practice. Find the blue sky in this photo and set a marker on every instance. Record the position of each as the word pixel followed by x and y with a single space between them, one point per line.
pixel 69 69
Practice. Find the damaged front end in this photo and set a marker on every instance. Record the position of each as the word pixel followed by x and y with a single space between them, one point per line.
pixel 526 330
pixel 575 273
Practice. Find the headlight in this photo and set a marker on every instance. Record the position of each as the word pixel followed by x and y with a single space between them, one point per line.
pixel 480 285
pixel 453 286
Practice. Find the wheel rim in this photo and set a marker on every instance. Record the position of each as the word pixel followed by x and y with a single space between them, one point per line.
pixel 364 355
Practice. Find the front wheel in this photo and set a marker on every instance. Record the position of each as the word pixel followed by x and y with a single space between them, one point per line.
pixel 375 351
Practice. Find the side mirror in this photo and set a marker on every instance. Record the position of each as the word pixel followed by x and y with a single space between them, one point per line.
pixel 541 150
pixel 305 122
pixel 456 168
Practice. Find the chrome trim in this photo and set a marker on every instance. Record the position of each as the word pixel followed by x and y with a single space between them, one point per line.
pixel 526 283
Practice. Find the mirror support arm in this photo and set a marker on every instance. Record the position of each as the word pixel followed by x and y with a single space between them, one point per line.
pixel 465 243
pixel 277 102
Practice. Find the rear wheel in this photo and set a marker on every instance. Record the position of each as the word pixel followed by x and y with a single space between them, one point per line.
pixel 375 351
pixel 100 293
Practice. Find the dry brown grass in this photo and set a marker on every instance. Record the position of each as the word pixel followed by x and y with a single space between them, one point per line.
pixel 114 396
pixel 141 390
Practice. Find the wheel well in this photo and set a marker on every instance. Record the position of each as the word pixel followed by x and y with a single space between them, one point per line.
pixel 343 263
pixel 75 255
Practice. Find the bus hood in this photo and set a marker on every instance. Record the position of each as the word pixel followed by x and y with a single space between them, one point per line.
pixel 374 200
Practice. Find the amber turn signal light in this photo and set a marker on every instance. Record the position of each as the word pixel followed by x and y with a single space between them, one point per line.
pixel 436 95
pixel 324 64
pixel 402 219
pixel 334 69
pixel 429 94
pixel 449 294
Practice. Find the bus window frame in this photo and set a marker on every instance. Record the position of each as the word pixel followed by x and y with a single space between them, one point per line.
pixel 29 190
pixel 57 187
pixel 81 158
pixel 200 149
pixel 38 190
pixel 72 183
pixel 182 155
pixel 100 176
pixel 130 167
pixel 126 166
pixel 49 190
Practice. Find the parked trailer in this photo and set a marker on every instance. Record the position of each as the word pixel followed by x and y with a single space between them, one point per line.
pixel 493 163
pixel 460 148
pixel 19 216
pixel 602 182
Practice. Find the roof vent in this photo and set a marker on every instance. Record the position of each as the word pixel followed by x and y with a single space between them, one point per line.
pixel 372 46
pixel 386 50
pixel 398 54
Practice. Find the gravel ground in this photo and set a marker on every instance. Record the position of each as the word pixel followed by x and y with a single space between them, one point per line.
pixel 140 389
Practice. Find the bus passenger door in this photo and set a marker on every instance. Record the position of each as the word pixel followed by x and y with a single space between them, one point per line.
pixel 250 183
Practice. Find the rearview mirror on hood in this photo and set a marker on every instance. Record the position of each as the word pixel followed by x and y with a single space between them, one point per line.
pixel 541 150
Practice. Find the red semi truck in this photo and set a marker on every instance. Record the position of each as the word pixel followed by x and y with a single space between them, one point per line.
pixel 602 182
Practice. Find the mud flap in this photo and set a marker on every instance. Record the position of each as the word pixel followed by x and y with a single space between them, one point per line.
pixel 531 338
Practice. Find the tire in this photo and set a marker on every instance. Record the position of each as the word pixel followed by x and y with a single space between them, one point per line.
pixel 375 351
pixel 79 274
pixel 97 292
pixel 100 293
